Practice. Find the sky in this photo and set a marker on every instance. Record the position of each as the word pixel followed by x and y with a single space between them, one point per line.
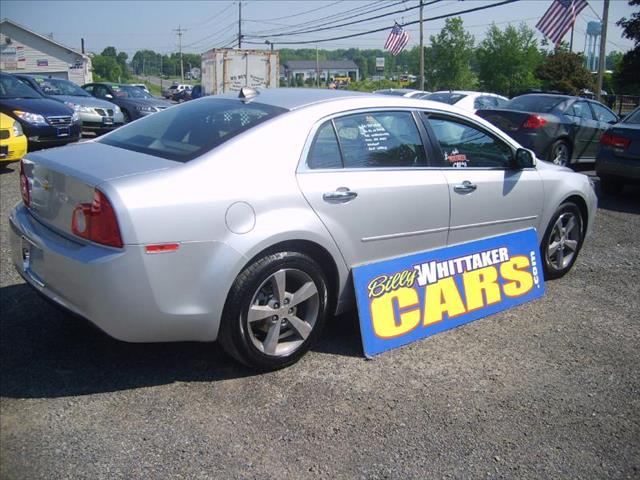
pixel 133 25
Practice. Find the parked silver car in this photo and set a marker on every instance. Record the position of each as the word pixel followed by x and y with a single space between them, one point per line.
pixel 239 218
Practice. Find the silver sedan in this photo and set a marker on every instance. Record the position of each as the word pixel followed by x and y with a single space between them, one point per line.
pixel 240 217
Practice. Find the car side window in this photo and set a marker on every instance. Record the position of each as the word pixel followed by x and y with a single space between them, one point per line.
pixel 380 140
pixel 603 114
pixel 89 89
pixel 324 151
pixel 464 145
pixel 100 91
pixel 483 102
pixel 580 110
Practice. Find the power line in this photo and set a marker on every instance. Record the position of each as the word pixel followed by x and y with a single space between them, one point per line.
pixel 299 32
pixel 455 14
pixel 336 17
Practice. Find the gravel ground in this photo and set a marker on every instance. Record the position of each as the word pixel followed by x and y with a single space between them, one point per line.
pixel 550 389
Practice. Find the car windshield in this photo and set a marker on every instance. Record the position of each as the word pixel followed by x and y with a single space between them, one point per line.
pixel 633 117
pixel 185 132
pixel 56 86
pixel 129 91
pixel 445 97
pixel 534 103
pixel 11 87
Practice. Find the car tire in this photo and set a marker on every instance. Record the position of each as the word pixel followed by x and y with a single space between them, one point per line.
pixel 560 153
pixel 275 311
pixel 562 241
pixel 610 186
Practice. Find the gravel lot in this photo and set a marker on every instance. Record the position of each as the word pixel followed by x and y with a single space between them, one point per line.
pixel 550 389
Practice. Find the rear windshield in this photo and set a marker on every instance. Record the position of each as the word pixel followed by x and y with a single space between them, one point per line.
pixel 398 93
pixel 534 103
pixel 184 132
pixel 446 97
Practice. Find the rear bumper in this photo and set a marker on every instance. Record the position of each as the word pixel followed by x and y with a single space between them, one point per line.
pixel 626 170
pixel 535 140
pixel 130 295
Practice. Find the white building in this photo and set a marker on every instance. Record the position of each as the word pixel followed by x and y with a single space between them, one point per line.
pixel 28 52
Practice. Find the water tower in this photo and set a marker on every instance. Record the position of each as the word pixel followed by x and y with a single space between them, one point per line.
pixel 592 45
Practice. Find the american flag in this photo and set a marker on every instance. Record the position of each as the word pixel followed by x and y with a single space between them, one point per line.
pixel 397 40
pixel 560 17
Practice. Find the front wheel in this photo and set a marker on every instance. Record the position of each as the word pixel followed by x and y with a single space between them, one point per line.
pixel 275 311
pixel 562 241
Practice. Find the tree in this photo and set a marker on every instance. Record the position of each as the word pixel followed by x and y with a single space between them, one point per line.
pixel 106 67
pixel 508 59
pixel 448 60
pixel 626 75
pixel 565 72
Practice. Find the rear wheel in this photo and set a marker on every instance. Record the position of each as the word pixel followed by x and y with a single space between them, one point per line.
pixel 275 311
pixel 610 186
pixel 562 240
pixel 560 153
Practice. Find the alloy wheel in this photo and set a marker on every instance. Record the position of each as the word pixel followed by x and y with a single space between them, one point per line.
pixel 561 154
pixel 283 312
pixel 563 241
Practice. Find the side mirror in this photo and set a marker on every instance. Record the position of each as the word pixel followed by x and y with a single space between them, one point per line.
pixel 108 95
pixel 524 159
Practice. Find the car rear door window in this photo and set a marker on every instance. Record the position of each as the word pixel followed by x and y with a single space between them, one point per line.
pixel 325 151
pixel 603 114
pixel 580 110
pixel 464 145
pixel 380 140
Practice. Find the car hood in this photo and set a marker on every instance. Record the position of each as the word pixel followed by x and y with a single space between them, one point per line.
pixel 84 101
pixel 43 106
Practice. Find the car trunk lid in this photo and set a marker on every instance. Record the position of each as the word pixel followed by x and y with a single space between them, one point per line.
pixel 508 121
pixel 61 179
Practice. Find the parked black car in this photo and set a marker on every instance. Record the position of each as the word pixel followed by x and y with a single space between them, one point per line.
pixel 133 101
pixel 618 160
pixel 196 92
pixel 560 128
pixel 45 122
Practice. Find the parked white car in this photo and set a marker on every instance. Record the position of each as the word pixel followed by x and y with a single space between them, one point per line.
pixel 468 100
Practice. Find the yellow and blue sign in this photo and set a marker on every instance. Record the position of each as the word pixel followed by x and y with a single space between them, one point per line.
pixel 409 298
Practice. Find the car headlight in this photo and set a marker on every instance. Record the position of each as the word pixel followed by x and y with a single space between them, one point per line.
pixel 33 118
pixel 17 129
pixel 144 108
pixel 116 109
pixel 79 108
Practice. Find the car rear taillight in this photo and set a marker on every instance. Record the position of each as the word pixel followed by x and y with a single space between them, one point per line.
pixel 534 121
pixel 615 141
pixel 24 186
pixel 97 221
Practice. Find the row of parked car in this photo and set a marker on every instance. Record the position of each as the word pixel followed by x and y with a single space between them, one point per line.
pixel 562 129
pixel 42 111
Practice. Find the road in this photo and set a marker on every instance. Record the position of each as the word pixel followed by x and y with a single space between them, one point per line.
pixel 550 389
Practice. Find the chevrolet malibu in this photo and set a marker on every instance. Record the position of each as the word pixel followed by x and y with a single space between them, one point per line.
pixel 240 217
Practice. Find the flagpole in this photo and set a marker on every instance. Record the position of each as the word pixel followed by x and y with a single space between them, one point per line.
pixel 421 50
pixel 571 42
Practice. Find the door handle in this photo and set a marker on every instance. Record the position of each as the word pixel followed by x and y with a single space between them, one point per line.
pixel 341 195
pixel 465 187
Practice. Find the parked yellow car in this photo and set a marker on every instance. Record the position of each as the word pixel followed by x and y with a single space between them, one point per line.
pixel 13 142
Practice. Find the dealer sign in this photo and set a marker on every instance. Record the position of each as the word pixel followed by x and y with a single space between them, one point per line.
pixel 405 299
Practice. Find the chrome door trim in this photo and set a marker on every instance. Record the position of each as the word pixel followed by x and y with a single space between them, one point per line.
pixel 404 234
pixel 494 222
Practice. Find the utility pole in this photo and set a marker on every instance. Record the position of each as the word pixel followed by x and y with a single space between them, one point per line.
pixel 317 68
pixel 180 31
pixel 161 91
pixel 603 45
pixel 239 24
pixel 421 49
